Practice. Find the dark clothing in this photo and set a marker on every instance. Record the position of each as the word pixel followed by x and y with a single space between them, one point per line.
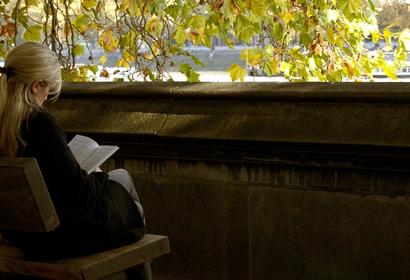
pixel 95 213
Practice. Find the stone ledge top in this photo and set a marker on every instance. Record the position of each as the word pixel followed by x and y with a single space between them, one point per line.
pixel 366 92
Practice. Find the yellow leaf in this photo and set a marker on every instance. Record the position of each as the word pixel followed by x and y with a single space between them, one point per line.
pixel 375 36
pixel 237 72
pixel 154 25
pixel 128 57
pixel 103 59
pixel 122 63
pixel 125 4
pixel 287 16
pixel 108 41
pixel 387 35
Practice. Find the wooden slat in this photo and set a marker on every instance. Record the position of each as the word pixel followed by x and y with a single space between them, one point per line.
pixel 94 266
pixel 24 200
pixel 108 262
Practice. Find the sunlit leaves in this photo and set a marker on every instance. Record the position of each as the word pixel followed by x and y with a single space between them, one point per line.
pixel 404 36
pixel 237 72
pixel 180 35
pixel 103 59
pixel 81 23
pixel 88 4
pixel 108 41
pixel 33 33
pixel 154 25
pixel 302 40
pixel 350 7
pixel 332 15
pixel 189 72
pixel 78 50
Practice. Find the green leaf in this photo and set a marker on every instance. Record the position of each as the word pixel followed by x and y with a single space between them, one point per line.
pixel 173 11
pixel 187 70
pixel 180 35
pixel 197 61
pixel 227 9
pixel 93 68
pixel 33 33
pixel 277 31
pixel 350 7
pixel 148 72
pixel 197 21
pixel 305 39
pixel 88 4
pixel 237 72
pixel 23 19
pixel 259 7
pixel 372 6
pixel 81 23
pixel 78 50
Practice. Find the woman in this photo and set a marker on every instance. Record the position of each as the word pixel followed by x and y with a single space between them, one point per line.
pixel 96 213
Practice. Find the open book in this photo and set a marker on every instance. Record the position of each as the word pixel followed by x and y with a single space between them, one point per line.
pixel 88 153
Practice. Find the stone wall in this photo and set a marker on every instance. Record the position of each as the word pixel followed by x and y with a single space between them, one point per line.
pixel 261 181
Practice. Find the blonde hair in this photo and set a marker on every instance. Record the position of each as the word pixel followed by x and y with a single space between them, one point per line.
pixel 24 65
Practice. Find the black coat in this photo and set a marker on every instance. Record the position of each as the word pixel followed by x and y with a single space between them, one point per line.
pixel 95 213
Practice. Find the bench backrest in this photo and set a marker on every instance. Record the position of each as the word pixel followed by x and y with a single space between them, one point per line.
pixel 25 203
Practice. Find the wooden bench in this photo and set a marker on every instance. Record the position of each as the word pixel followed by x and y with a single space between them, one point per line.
pixel 25 204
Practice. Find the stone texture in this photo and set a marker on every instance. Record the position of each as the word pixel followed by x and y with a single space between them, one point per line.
pixel 322 235
pixel 262 181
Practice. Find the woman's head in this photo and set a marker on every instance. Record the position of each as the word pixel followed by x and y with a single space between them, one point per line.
pixel 31 73
pixel 33 66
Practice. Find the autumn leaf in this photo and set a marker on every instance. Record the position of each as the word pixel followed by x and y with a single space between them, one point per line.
pixel 103 59
pixel 8 30
pixel 108 41
pixel 104 74
pixel 287 16
pixel 154 25
pixel 237 72
pixel 122 62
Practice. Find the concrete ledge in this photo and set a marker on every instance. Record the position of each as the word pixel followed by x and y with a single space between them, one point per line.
pixel 261 181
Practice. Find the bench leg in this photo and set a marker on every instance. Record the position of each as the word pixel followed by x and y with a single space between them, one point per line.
pixel 147 268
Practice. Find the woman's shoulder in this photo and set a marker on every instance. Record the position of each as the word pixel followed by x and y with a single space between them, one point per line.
pixel 40 115
pixel 41 120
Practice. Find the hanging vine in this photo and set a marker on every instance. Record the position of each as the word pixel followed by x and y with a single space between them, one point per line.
pixel 303 40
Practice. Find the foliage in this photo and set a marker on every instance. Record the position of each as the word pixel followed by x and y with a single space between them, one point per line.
pixel 305 40
pixel 394 14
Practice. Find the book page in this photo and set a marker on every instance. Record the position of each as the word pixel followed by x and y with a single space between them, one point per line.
pixel 82 147
pixel 98 157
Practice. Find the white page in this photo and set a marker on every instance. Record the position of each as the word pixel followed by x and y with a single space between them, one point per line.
pixel 98 157
pixel 82 147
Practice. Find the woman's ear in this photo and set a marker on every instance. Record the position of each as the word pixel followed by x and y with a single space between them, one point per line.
pixel 34 87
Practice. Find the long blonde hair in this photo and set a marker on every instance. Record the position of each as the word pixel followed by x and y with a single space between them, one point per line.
pixel 24 65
